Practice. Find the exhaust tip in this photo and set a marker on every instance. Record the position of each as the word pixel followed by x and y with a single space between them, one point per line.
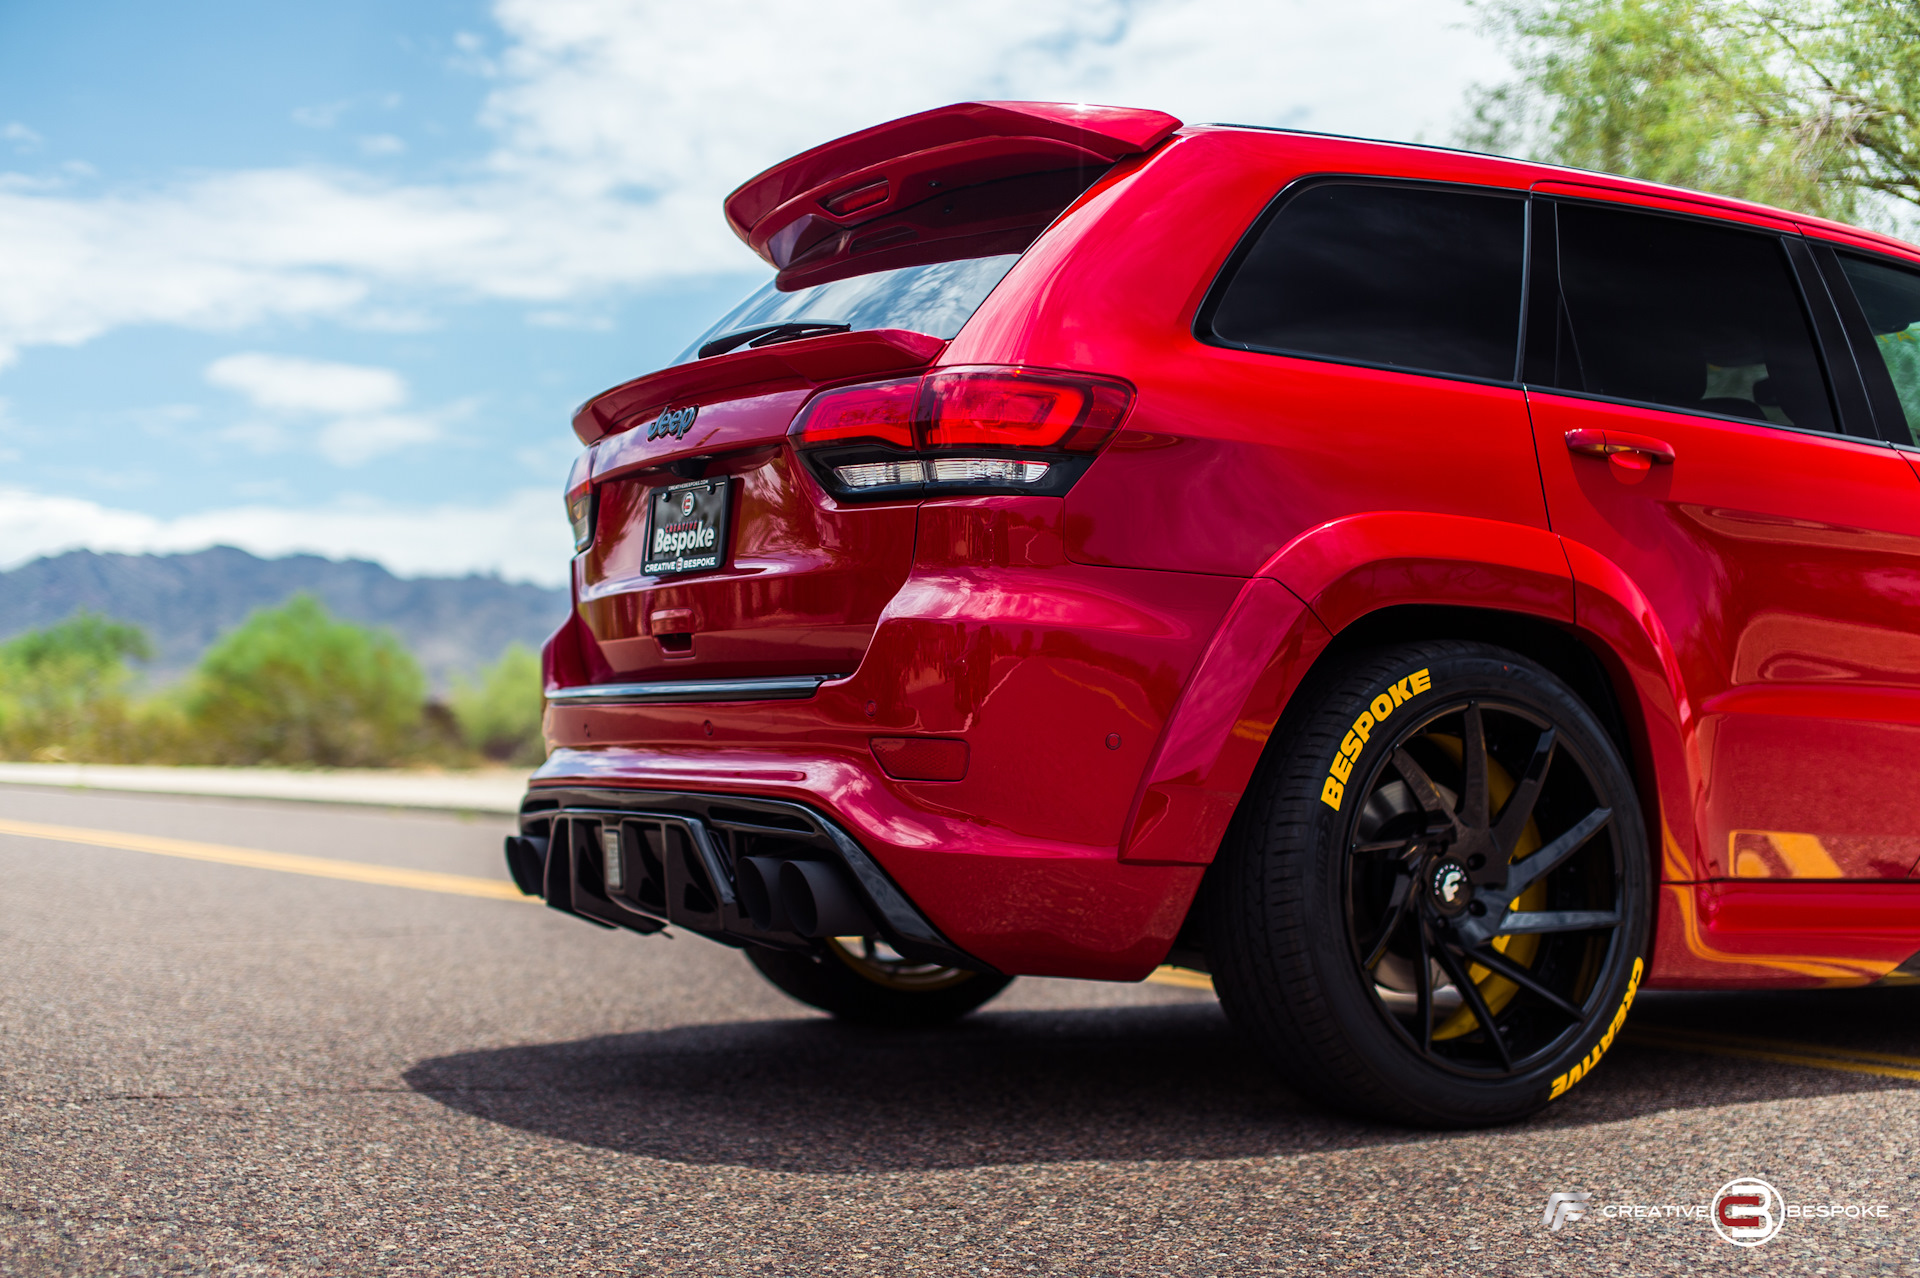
pixel 820 900
pixel 527 863
pixel 757 883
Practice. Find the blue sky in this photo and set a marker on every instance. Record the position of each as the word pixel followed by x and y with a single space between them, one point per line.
pixel 331 277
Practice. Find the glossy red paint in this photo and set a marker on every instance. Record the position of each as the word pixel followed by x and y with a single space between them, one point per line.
pixel 1784 566
pixel 1114 662
pixel 864 175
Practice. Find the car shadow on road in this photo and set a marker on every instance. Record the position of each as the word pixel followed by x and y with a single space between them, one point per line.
pixel 1119 1084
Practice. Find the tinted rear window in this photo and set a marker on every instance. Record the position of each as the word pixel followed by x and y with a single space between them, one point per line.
pixel 1891 299
pixel 1699 317
pixel 1415 278
pixel 935 299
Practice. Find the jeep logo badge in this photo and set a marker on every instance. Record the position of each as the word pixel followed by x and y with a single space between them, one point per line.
pixel 675 422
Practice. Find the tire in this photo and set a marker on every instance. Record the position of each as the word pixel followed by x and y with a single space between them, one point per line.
pixel 857 979
pixel 1360 847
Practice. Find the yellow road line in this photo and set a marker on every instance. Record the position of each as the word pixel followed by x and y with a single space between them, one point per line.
pixel 1183 978
pixel 285 862
pixel 1746 1043
pixel 1810 1055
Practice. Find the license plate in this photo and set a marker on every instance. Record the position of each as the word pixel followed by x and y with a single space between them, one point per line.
pixel 687 527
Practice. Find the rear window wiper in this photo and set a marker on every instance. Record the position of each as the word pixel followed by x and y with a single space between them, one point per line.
pixel 767 335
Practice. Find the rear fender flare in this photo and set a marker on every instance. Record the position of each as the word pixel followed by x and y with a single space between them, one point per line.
pixel 1314 587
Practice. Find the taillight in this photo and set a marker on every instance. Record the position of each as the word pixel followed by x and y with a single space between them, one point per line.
pixel 960 431
pixel 580 501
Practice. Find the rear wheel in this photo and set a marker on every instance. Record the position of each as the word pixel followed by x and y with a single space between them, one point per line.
pixel 1433 906
pixel 861 978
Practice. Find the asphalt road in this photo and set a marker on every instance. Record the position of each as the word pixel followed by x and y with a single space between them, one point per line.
pixel 242 1067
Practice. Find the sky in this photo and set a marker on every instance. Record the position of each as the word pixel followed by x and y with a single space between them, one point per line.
pixel 332 277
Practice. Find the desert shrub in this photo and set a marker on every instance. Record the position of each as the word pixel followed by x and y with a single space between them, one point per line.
pixel 293 685
pixel 499 710
pixel 65 691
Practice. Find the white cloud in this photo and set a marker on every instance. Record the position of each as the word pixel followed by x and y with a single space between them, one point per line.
pixel 361 399
pixel 523 537
pixel 23 138
pixel 382 144
pixel 622 123
pixel 294 384
pixel 352 441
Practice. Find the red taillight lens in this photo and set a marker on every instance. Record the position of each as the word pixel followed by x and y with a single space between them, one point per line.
pixel 1014 408
pixel 960 432
pixel 878 413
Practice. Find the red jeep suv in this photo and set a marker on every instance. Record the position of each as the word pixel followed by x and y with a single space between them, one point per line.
pixel 1437 595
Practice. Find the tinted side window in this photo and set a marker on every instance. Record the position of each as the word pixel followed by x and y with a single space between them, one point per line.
pixel 1891 299
pixel 1698 317
pixel 1415 278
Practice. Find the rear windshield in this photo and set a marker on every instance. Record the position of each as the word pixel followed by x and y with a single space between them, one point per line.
pixel 935 299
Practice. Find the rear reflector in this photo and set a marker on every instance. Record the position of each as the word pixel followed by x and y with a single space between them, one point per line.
pixel 921 758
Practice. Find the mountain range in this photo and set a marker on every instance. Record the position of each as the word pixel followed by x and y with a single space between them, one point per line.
pixel 184 602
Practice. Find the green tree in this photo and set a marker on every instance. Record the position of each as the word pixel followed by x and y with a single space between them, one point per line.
pixel 64 689
pixel 293 685
pixel 1814 106
pixel 499 712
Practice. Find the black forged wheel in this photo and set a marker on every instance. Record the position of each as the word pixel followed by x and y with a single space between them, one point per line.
pixel 1433 906
pixel 861 979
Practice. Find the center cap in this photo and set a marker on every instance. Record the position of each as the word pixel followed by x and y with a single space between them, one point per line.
pixel 1450 886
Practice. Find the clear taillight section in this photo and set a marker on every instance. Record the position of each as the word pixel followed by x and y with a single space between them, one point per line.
pixel 580 502
pixel 967 430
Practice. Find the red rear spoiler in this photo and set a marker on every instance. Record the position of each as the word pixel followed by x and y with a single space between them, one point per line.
pixel 890 167
pixel 811 361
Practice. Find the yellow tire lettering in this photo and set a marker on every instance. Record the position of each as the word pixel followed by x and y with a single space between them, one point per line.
pixel 1592 1058
pixel 1340 771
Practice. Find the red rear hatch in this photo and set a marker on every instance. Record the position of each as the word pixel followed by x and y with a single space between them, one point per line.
pixel 715 553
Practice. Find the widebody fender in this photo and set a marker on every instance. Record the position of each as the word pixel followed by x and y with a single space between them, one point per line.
pixel 1314 587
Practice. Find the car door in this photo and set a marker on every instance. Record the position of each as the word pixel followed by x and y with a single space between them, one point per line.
pixel 1688 430
pixel 1879 304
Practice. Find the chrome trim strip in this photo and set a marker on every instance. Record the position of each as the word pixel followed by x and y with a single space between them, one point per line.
pixel 662 691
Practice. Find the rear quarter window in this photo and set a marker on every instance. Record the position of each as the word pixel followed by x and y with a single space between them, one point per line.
pixel 1423 279
pixel 1890 297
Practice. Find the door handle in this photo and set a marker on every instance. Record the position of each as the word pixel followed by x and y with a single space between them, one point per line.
pixel 1632 455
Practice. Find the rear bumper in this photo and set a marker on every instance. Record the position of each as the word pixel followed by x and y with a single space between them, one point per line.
pixel 1059 677
pixel 689 876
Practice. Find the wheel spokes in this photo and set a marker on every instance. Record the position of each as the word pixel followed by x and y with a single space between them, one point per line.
pixel 1493 960
pixel 1533 922
pixel 1471 993
pixel 1397 906
pixel 1526 794
pixel 1475 802
pixel 1425 793
pixel 1524 874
